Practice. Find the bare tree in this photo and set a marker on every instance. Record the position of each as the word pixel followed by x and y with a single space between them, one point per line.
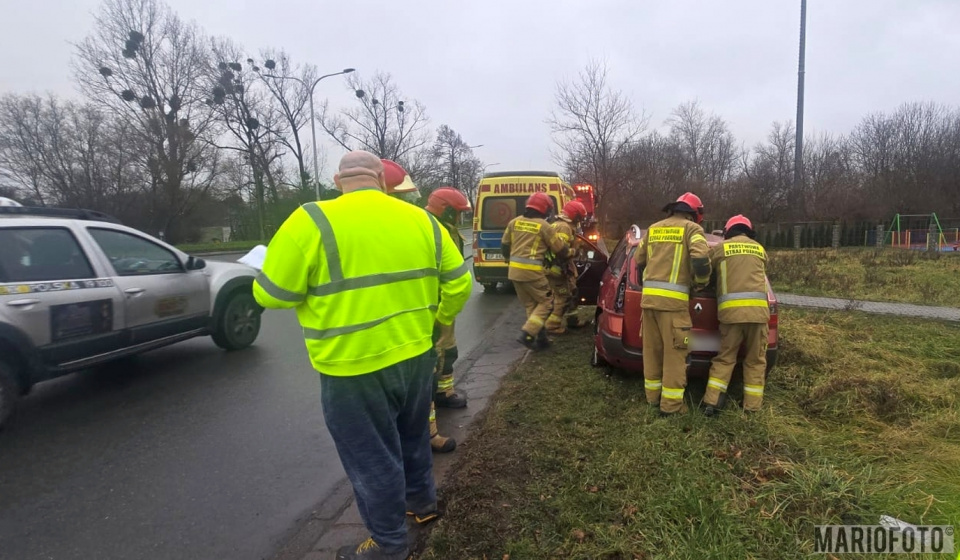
pixel 145 64
pixel 293 100
pixel 384 123
pixel 70 155
pixel 457 166
pixel 708 147
pixel 593 125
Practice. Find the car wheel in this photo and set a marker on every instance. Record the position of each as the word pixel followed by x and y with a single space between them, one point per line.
pixel 596 360
pixel 490 288
pixel 239 322
pixel 9 392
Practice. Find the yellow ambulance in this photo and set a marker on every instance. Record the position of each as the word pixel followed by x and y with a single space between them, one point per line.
pixel 502 197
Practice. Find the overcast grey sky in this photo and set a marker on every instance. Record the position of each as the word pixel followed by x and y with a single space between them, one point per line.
pixel 488 69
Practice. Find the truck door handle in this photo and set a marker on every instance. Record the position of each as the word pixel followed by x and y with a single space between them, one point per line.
pixel 134 291
pixel 23 302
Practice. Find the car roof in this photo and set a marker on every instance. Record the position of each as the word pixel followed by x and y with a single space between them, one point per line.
pixel 40 221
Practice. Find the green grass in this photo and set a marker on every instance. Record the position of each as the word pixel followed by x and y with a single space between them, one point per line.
pixel 216 247
pixel 861 419
pixel 894 275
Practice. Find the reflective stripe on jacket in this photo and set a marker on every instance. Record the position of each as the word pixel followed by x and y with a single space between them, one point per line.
pixel 675 255
pixel 741 281
pixel 526 241
pixel 364 272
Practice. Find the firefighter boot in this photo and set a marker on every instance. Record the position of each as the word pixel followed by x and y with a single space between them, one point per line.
pixel 542 341
pixel 714 410
pixel 445 396
pixel 528 340
pixel 370 550
pixel 438 443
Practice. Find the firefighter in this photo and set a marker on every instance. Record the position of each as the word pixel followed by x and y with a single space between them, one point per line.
pixel 674 256
pixel 446 204
pixel 525 242
pixel 744 315
pixel 399 185
pixel 562 275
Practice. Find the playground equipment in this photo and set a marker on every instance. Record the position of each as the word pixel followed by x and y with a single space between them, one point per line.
pixel 921 232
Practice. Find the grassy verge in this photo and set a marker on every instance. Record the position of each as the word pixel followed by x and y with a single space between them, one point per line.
pixel 895 275
pixel 862 418
pixel 217 247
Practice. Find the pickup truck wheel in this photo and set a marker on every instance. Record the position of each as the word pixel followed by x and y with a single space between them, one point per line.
pixel 9 392
pixel 239 322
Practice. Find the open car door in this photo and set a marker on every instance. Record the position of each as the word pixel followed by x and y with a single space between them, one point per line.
pixel 591 264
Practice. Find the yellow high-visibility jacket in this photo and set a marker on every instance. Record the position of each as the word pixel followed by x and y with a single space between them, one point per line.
pixel 675 255
pixel 740 263
pixel 368 275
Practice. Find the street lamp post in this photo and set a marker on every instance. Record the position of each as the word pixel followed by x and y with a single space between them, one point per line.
pixel 798 156
pixel 313 120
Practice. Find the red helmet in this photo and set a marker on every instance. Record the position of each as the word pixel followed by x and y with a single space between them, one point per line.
pixel 575 210
pixel 396 177
pixel 688 202
pixel 447 197
pixel 540 202
pixel 738 220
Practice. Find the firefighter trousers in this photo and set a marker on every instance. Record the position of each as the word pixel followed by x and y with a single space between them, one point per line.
pixel 536 299
pixel 444 371
pixel 666 336
pixel 753 338
pixel 560 287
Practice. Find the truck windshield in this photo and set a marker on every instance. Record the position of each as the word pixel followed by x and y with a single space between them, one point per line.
pixel 497 211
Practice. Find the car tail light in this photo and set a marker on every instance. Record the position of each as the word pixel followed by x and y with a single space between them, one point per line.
pixel 774 316
pixel 621 295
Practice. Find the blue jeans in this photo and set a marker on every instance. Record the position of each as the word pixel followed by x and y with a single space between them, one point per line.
pixel 380 424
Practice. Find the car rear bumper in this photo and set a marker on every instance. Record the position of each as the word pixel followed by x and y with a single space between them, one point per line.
pixel 490 274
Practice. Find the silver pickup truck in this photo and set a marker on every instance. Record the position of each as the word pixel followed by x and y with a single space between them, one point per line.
pixel 78 289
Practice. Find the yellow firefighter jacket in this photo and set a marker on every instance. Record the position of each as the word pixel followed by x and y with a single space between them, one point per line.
pixel 675 255
pixel 556 267
pixel 525 244
pixel 366 291
pixel 740 263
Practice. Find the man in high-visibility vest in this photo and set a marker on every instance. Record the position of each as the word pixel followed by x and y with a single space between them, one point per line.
pixel 562 275
pixel 525 242
pixel 365 272
pixel 674 256
pixel 401 186
pixel 744 315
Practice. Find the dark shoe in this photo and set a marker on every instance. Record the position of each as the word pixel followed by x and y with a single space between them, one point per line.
pixel 422 518
pixel 369 550
pixel 710 411
pixel 442 400
pixel 542 341
pixel 440 444
pixel 528 341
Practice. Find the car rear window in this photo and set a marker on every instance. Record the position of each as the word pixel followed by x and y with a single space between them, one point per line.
pixel 497 211
pixel 41 254
pixel 618 257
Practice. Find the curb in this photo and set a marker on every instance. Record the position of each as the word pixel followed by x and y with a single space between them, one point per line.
pixel 336 522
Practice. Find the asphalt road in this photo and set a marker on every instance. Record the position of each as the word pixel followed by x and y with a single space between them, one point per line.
pixel 187 452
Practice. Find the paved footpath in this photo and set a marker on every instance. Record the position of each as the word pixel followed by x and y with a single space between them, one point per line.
pixel 337 522
pixel 901 309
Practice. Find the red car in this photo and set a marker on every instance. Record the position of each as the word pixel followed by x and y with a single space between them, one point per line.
pixel 617 326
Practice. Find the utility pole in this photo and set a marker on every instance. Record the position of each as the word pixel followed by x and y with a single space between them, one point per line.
pixel 798 156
